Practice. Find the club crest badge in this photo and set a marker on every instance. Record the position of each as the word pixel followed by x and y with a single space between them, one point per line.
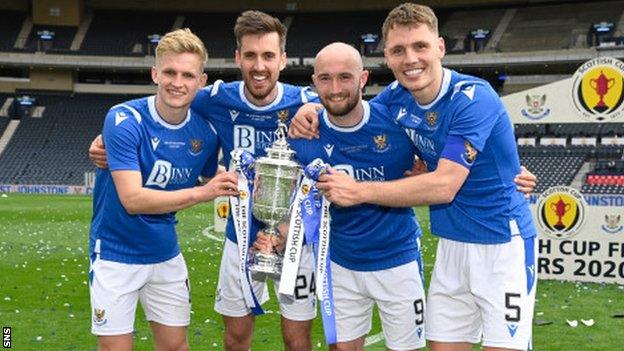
pixel 432 118
pixel 470 153
pixel 535 107
pixel 282 115
pixel 196 146
pixel 98 316
pixel 381 142
pixel 612 224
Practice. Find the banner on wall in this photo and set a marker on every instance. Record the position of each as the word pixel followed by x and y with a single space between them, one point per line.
pixel 595 93
pixel 580 236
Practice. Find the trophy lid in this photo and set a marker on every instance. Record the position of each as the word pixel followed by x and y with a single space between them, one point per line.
pixel 280 150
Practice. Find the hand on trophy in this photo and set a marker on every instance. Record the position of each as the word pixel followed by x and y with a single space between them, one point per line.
pixel 268 243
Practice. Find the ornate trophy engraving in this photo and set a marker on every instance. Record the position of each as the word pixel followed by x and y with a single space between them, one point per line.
pixel 274 184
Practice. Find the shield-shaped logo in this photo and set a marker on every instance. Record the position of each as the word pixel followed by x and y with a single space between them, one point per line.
pixel 196 146
pixel 381 142
pixel 432 117
pixel 470 153
pixel 98 316
pixel 282 115
pixel 612 224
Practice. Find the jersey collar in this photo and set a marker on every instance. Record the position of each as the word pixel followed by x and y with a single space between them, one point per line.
pixel 446 83
pixel 278 97
pixel 356 127
pixel 151 104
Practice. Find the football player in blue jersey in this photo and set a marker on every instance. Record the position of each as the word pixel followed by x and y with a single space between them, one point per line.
pixel 157 147
pixel 374 250
pixel 245 115
pixel 484 279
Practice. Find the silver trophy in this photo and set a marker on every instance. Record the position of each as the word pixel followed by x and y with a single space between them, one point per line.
pixel 274 184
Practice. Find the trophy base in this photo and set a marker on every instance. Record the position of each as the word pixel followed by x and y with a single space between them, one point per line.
pixel 266 265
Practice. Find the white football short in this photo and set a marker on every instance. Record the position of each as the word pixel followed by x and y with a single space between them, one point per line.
pixel 483 293
pixel 400 298
pixel 115 288
pixel 229 299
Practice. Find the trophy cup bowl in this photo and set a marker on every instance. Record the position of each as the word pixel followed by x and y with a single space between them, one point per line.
pixel 274 185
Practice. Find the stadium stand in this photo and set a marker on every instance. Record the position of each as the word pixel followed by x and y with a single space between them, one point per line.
pixel 10 27
pixel 606 178
pixel 309 32
pixel 63 36
pixel 52 149
pixel 215 29
pixel 457 24
pixel 553 165
pixel 558 26
pixel 117 33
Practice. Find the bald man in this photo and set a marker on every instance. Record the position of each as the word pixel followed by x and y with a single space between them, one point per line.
pixel 374 250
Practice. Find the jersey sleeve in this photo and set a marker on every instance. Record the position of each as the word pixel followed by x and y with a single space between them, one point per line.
pixel 475 113
pixel 309 95
pixel 212 162
pixel 122 139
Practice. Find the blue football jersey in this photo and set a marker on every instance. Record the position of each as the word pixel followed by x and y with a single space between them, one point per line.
pixel 367 237
pixel 241 124
pixel 169 157
pixel 468 124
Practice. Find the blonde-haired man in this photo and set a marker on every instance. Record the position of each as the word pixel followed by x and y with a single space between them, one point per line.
pixel 156 151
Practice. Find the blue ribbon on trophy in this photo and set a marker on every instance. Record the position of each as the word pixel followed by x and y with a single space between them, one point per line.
pixel 314 210
pixel 241 206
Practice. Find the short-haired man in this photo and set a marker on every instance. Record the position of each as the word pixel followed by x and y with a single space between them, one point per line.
pixel 245 114
pixel 157 147
pixel 483 283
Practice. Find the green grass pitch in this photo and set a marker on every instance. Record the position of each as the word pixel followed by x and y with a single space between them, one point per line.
pixel 44 292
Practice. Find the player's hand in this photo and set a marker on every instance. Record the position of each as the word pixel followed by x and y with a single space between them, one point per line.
pixel 97 153
pixel 339 188
pixel 305 122
pixel 269 243
pixel 419 167
pixel 525 182
pixel 223 184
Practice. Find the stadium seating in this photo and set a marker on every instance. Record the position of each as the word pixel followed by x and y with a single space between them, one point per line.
pixel 10 27
pixel 116 33
pixel 63 37
pixel 558 26
pixel 215 29
pixel 553 165
pixel 53 149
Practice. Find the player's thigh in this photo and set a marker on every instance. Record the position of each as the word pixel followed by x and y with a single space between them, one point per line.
pixel 452 313
pixel 400 297
pixel 166 297
pixel 301 306
pixel 229 298
pixel 353 308
pixel 114 291
pixel 506 294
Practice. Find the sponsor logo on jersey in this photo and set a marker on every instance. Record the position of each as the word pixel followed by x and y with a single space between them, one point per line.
pixel 598 89
pixel 470 153
pixel 363 174
pixel 612 224
pixel 561 212
pixel 535 107
pixel 234 114
pixel 381 142
pixel 250 139
pixel 174 144
pixel 155 141
pixel 120 117
pixel 98 316
pixel 329 148
pixel 164 173
pixel 432 118
pixel 282 115
pixel 196 146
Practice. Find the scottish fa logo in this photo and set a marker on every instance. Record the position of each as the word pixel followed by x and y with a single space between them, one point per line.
pixel 535 107
pixel 282 115
pixel 381 142
pixel 561 212
pixel 612 224
pixel 243 194
pixel 223 209
pixel 98 316
pixel 598 89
